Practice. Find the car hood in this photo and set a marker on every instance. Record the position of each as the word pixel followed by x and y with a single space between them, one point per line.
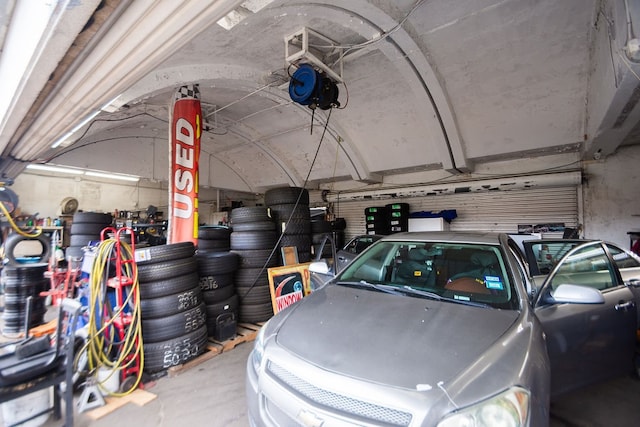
pixel 390 339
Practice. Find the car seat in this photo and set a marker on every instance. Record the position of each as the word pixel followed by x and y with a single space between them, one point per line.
pixel 414 270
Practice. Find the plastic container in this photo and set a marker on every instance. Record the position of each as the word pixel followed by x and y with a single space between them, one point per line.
pixel 16 410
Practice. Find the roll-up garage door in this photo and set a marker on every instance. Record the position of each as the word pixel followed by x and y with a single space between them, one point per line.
pixel 500 211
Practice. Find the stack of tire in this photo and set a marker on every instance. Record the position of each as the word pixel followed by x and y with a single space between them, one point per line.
pixel 86 227
pixel 289 207
pixel 376 220
pixel 338 226
pixel 21 282
pixel 214 238
pixel 216 271
pixel 174 328
pixel 254 240
pixel 398 217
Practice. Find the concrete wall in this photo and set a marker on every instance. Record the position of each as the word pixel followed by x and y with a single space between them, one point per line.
pixel 611 194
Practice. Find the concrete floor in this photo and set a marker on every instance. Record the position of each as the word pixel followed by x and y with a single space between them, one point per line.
pixel 212 394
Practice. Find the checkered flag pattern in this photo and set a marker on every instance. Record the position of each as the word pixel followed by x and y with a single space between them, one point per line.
pixel 188 91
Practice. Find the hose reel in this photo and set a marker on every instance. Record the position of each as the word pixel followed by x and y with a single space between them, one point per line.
pixel 313 88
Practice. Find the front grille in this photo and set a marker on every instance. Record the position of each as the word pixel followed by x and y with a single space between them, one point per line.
pixel 339 402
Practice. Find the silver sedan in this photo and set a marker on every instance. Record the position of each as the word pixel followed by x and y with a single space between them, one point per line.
pixel 446 329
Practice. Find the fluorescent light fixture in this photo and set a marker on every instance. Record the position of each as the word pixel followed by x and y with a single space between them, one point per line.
pixel 76 128
pixel 51 168
pixel 111 106
pixel 238 14
pixel 121 177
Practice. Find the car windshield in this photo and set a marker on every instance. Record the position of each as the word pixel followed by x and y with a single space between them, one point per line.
pixel 475 274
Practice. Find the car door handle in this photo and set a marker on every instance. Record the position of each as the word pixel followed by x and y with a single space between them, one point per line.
pixel 625 305
pixel 341 258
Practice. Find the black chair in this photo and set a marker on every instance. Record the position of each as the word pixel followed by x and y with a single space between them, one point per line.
pixel 37 365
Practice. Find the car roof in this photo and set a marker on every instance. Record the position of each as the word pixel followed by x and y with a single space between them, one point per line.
pixel 490 238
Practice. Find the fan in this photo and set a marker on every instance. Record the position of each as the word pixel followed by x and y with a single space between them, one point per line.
pixel 68 206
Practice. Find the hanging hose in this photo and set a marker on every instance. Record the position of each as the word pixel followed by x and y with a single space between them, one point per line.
pixel 104 347
pixel 36 233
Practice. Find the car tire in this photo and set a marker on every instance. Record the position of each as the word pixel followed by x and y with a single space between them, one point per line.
pixel 254 313
pixel 169 327
pixel 286 195
pixel 163 355
pixel 173 285
pixel 152 308
pixel 162 253
pixel 167 269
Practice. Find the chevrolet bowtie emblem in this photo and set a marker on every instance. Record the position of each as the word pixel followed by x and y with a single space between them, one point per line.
pixel 309 419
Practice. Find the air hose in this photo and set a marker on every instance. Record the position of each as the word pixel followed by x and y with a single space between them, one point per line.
pixel 114 335
pixel 36 233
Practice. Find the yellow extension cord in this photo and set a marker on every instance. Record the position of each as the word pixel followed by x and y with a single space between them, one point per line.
pixel 15 226
pixel 99 347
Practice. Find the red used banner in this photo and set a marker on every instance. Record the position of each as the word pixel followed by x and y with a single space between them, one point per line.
pixel 186 127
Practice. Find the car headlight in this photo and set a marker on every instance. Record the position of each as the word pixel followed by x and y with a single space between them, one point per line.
pixel 258 349
pixel 508 409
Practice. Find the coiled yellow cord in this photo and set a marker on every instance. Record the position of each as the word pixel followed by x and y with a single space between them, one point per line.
pixel 102 342
pixel 15 226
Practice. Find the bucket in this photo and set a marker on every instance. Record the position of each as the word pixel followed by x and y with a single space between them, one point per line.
pixel 16 410
pixel 108 380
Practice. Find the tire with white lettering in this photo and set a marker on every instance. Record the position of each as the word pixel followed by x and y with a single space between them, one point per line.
pixel 286 195
pixel 152 308
pixel 216 281
pixel 168 327
pixel 163 355
pixel 162 253
pixel 167 269
pixel 254 313
pixel 169 286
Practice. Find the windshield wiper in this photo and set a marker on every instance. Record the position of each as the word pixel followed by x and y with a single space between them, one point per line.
pixel 433 295
pixel 377 286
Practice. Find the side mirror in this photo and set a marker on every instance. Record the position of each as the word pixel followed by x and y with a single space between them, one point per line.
pixel 634 283
pixel 319 267
pixel 574 294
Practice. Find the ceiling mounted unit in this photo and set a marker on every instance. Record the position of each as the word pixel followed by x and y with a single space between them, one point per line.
pixel 308 46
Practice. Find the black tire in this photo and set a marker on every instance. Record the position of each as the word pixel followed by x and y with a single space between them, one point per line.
pixel 24 271
pixel 165 270
pixel 217 263
pixel 163 355
pixel 214 233
pixel 15 239
pixel 295 226
pixel 253 240
pixel 92 217
pixel 286 195
pixel 255 226
pixel 249 214
pixel 284 212
pixel 176 325
pixel 339 224
pixel 87 228
pixel 249 276
pixel 213 245
pixel 254 313
pixel 218 295
pixel 259 294
pixel 300 241
pixel 83 239
pixel 152 308
pixel 258 258
pixel 162 253
pixel 216 281
pixel 173 285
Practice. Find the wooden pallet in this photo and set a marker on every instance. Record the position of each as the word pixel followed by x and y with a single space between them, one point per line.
pixel 245 332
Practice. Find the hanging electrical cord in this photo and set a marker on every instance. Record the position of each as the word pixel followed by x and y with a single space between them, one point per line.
pixel 108 346
pixel 295 206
